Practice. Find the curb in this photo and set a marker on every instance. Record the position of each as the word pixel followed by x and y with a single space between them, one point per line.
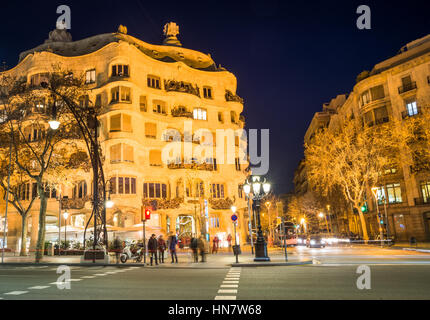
pixel 128 265
pixel 418 250
pixel 271 264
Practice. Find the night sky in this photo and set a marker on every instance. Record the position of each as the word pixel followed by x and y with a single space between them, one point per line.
pixel 289 56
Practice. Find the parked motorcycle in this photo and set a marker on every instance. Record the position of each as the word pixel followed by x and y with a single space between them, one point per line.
pixel 132 251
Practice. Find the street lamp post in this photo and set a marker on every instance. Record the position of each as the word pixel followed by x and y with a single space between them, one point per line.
pixel 375 194
pixel 236 251
pixel 258 188
pixel 250 215
pixel 65 216
pixel 88 125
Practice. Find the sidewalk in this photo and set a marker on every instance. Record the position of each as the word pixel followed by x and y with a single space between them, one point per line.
pixel 420 246
pixel 213 261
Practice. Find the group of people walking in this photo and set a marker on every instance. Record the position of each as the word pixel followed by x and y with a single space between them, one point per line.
pixel 160 246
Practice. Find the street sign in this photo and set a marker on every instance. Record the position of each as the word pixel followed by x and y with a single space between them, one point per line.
pixel 234 218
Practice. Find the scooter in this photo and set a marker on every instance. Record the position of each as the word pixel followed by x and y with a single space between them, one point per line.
pixel 132 253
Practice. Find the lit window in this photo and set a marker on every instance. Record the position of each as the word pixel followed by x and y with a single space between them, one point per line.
pixel 394 193
pixel 120 94
pixel 90 76
pixel 159 107
pixel 120 122
pixel 123 185
pixel 412 108
pixel 200 114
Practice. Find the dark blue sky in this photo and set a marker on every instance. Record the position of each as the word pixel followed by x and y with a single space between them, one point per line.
pixel 289 56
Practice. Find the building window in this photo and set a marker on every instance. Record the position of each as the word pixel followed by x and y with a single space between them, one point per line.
pixel 90 76
pixel 155 158
pixel 123 185
pixel 120 94
pixel 365 98
pixel 377 92
pixel 200 114
pixel 154 190
pixel 121 152
pixel 24 191
pixel 394 193
pixel 150 130
pixel 380 195
pixel 37 79
pixel 154 82
pixel 214 221
pixel 237 163
pixel 240 191
pixel 120 122
pixel 200 190
pixel 143 104
pixel 233 117
pixel 411 108
pixel 381 115
pixel 217 191
pixel 220 117
pixel 159 107
pixel 207 93
pixel 80 190
pixel 120 70
pixel 425 191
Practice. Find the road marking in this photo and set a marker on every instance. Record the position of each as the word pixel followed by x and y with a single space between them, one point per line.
pixel 229 286
pixel 111 272
pixel 88 277
pixel 58 283
pixel 231 280
pixel 74 280
pixel 38 287
pixel 16 293
pixel 225 298
pixel 100 274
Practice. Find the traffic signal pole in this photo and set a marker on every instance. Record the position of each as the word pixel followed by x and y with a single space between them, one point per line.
pixel 144 241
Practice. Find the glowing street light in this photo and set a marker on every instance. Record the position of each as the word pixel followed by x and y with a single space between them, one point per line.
pixel 257 188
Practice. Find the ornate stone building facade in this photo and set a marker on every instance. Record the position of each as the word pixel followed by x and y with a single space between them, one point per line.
pixel 394 89
pixel 145 91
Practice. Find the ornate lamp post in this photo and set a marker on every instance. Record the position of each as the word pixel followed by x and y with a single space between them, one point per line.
pixel 257 188
pixel 65 216
pixel 88 124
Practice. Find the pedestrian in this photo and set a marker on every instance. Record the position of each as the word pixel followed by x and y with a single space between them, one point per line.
pixel 229 238
pixel 117 247
pixel 202 249
pixel 173 241
pixel 194 247
pixel 161 248
pixel 152 248
pixel 215 244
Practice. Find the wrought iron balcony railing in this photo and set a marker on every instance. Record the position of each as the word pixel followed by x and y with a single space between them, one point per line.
pixel 411 113
pixel 407 87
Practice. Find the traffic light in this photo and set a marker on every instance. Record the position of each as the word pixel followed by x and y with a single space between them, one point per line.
pixel 145 213
pixel 364 207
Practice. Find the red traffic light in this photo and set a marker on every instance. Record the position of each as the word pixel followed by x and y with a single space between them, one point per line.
pixel 146 214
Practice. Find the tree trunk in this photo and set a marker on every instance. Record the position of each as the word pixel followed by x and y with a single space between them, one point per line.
pixel 363 224
pixel 40 246
pixel 24 219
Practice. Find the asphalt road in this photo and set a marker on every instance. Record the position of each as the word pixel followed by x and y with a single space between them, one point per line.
pixel 395 274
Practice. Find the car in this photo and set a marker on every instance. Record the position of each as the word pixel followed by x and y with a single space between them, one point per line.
pixel 301 241
pixel 315 242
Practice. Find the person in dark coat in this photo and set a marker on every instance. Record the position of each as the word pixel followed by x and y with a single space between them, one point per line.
pixel 173 241
pixel 152 248
pixel 202 249
pixel 194 247
pixel 161 249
